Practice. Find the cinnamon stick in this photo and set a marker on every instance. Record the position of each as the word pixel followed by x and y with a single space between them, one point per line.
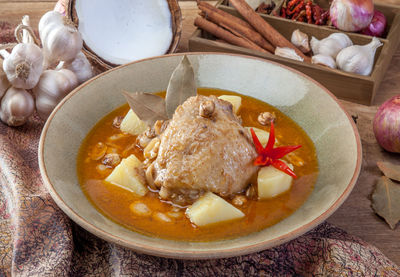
pixel 235 25
pixel 235 19
pixel 264 28
pixel 225 35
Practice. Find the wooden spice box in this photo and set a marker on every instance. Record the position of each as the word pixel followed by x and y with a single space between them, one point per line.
pixel 344 85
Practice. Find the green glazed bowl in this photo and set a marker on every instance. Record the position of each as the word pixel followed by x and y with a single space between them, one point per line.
pixel 308 103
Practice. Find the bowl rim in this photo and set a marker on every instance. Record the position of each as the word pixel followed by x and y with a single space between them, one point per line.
pixel 196 254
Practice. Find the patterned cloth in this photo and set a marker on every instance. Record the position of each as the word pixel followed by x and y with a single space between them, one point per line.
pixel 38 239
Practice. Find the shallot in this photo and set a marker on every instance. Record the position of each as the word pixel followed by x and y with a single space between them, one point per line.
pixel 387 125
pixel 377 26
pixel 351 15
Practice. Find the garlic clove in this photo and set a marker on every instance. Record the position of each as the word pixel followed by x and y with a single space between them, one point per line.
pixel 24 65
pixel 51 89
pixel 358 59
pixel 300 40
pixel 287 52
pixel 81 67
pixel 323 60
pixel 16 107
pixel 331 45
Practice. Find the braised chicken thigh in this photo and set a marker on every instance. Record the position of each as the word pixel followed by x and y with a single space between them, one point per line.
pixel 204 148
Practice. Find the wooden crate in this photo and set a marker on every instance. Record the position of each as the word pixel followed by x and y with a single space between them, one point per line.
pixel 344 85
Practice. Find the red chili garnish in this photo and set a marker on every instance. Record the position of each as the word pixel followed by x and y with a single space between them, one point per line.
pixel 269 155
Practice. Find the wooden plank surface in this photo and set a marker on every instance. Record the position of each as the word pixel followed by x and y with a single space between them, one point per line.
pixel 355 215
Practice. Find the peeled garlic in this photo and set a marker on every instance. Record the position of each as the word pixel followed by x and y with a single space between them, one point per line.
pixel 81 67
pixel 17 106
pixel 61 40
pixel 358 59
pixel 52 87
pixel 323 60
pixel 331 45
pixel 287 53
pixel 300 40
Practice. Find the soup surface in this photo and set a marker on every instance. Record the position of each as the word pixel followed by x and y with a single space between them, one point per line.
pixel 167 220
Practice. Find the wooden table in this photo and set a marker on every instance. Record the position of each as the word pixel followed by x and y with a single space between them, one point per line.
pixel 355 215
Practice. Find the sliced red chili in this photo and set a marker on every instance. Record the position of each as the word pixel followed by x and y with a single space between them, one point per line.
pixel 271 138
pixel 280 152
pixel 256 141
pixel 269 155
pixel 278 164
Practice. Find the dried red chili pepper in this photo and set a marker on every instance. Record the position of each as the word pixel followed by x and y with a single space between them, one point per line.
pixel 283 12
pixel 317 14
pixel 269 155
pixel 292 3
pixel 301 16
pixel 309 12
pixel 297 9
pixel 324 17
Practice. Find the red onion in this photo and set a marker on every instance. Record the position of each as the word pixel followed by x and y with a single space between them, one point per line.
pixel 387 125
pixel 351 15
pixel 377 26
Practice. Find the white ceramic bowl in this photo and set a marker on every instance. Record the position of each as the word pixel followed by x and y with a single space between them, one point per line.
pixel 309 104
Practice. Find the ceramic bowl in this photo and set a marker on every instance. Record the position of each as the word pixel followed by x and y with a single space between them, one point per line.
pixel 308 103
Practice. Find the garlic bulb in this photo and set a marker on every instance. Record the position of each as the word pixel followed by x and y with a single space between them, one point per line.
pixel 51 17
pixel 16 107
pixel 4 83
pixel 331 45
pixel 358 59
pixel 52 87
pixel 81 67
pixel 61 40
pixel 24 65
pixel 300 40
pixel 287 52
pixel 323 60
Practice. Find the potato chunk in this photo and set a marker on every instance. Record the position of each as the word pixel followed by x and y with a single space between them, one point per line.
pixel 131 124
pixel 211 208
pixel 262 135
pixel 126 176
pixel 272 182
pixel 236 101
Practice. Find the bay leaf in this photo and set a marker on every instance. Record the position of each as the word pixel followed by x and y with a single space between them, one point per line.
pixel 147 106
pixel 386 201
pixel 390 170
pixel 182 85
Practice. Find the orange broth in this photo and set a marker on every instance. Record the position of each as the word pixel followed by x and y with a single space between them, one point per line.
pixel 113 201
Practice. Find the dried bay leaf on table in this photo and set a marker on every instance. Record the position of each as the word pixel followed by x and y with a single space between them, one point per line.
pixel 386 201
pixel 390 170
pixel 182 85
pixel 147 106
